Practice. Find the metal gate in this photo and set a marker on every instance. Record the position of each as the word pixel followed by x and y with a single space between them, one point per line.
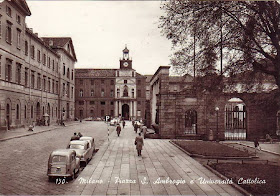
pixel 235 121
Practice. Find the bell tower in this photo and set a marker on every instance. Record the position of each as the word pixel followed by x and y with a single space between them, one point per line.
pixel 125 61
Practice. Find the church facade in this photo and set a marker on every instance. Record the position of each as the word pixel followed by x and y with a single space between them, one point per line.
pixel 115 92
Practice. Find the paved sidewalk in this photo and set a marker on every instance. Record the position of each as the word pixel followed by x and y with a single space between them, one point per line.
pixel 273 148
pixel 22 132
pixel 160 159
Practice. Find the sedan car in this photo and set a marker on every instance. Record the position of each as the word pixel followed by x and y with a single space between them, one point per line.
pixel 91 142
pixel 63 163
pixel 82 149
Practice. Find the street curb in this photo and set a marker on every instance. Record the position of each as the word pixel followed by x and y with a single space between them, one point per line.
pixel 209 157
pixel 32 133
pixel 275 153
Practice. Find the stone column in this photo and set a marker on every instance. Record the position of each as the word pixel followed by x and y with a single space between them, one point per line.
pixel 120 108
pixel 130 109
pixel 135 109
pixel 116 109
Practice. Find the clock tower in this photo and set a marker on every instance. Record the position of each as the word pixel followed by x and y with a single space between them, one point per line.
pixel 125 62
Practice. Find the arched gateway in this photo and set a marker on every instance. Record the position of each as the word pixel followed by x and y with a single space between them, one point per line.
pixel 125 111
pixel 235 120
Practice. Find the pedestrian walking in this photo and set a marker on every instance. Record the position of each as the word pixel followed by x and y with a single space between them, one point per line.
pixel 75 137
pixel 257 145
pixel 268 138
pixel 139 142
pixel 123 123
pixel 80 135
pixel 135 127
pixel 133 123
pixel 118 129
pixel 144 130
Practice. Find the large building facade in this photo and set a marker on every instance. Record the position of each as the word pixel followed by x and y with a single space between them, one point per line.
pixel 115 92
pixel 36 74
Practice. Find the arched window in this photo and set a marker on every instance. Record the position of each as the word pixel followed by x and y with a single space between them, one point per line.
pixel 92 93
pixel 190 122
pixel 118 93
pixel 125 91
pixel 68 73
pixel 132 93
pixel 81 93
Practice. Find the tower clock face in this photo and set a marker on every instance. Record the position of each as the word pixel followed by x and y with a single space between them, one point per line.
pixel 125 64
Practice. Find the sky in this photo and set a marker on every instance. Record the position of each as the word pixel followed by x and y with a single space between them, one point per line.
pixel 101 29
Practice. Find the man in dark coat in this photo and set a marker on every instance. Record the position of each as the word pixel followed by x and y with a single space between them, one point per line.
pixel 139 142
pixel 123 123
pixel 75 137
pixel 135 127
pixel 118 129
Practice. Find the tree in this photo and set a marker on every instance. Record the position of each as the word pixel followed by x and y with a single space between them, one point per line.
pixel 244 34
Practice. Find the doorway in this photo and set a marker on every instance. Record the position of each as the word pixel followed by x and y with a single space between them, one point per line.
pixel 125 111
pixel 235 120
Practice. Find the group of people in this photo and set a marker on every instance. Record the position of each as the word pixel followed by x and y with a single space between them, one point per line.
pixel 76 136
pixel 139 142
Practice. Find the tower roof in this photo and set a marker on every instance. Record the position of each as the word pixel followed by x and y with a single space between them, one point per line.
pixel 125 50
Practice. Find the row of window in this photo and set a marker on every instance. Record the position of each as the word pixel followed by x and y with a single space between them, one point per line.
pixel 93 103
pixel 50 111
pixel 9 13
pixel 101 103
pixel 42 82
pixel 66 90
pixel 81 93
pixel 68 72
pixel 102 93
pixel 111 82
pixel 102 113
pixel 46 60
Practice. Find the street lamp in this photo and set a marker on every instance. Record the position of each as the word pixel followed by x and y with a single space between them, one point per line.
pixel 217 125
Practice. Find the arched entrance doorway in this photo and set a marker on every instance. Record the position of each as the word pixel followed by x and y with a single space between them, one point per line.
pixel 190 122
pixel 8 116
pixel 125 111
pixel 235 120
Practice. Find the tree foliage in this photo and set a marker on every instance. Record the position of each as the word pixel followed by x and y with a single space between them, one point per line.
pixel 247 31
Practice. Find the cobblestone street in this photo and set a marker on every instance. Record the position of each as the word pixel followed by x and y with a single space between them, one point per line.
pixel 24 160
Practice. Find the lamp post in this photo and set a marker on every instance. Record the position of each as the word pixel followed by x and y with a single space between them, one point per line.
pixel 217 125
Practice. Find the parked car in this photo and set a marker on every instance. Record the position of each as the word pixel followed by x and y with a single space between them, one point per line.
pixel 63 163
pixel 91 142
pixel 82 149
pixel 113 122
